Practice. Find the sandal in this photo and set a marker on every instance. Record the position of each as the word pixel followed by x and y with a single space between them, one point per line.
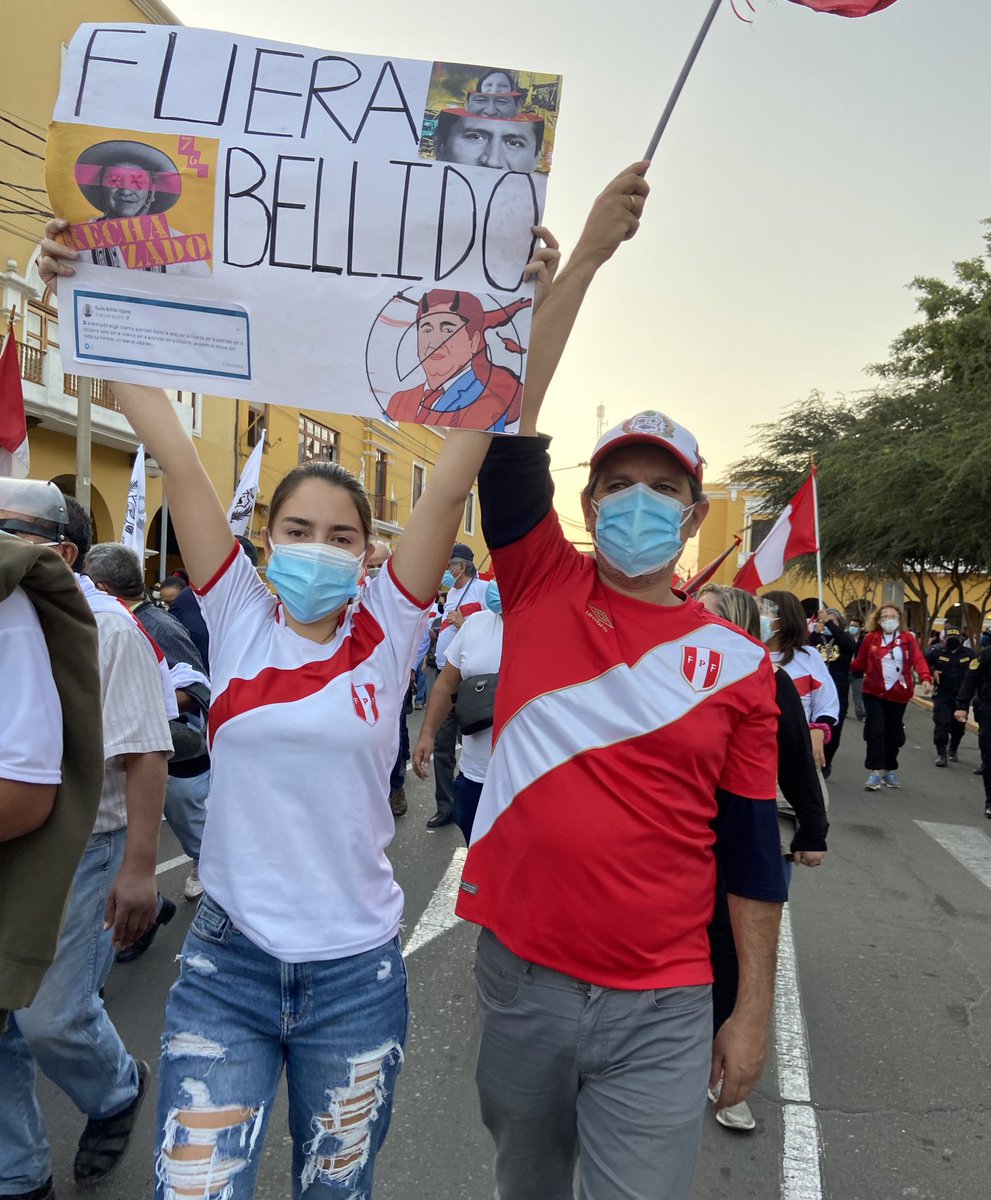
pixel 105 1139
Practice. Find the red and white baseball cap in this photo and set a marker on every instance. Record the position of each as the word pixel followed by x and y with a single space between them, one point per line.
pixel 651 428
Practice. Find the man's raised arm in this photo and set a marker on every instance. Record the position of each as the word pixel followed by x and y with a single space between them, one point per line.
pixel 615 218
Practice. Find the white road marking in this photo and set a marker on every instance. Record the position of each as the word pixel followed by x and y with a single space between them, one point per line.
pixel 172 864
pixel 439 916
pixel 801 1171
pixel 969 846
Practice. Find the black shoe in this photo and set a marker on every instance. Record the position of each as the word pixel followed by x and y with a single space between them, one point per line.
pixel 941 760
pixel 45 1192
pixel 165 914
pixel 104 1141
pixel 398 802
pixel 437 821
pixel 953 756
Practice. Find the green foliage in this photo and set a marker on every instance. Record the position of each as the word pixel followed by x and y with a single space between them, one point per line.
pixel 904 486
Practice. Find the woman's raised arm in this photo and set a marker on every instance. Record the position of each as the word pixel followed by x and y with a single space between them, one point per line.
pixel 199 519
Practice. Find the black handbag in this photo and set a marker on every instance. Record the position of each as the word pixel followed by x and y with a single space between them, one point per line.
pixel 474 705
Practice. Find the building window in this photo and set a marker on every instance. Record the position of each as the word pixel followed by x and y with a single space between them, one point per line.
pixel 318 442
pixel 257 423
pixel 191 400
pixel 470 513
pixel 760 527
pixel 419 483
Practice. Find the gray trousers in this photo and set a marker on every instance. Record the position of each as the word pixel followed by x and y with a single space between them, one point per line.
pixel 568 1073
pixel 445 750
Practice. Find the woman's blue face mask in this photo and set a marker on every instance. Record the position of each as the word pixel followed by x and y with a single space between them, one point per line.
pixel 639 531
pixel 312 579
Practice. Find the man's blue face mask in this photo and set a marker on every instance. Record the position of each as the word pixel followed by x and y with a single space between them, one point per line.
pixel 638 530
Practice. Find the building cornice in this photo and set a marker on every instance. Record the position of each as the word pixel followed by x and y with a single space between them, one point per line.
pixel 156 12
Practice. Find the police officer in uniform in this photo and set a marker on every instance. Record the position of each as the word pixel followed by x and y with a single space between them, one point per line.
pixel 976 690
pixel 949 662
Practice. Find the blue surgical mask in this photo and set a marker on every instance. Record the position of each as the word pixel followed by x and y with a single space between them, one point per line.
pixel 638 530
pixel 890 624
pixel 447 580
pixel 493 601
pixel 766 627
pixel 313 580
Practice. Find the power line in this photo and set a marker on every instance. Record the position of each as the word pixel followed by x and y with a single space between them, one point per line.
pixel 29 153
pixel 29 132
pixel 23 187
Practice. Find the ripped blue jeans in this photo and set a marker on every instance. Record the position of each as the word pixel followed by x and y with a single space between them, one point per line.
pixel 234 1018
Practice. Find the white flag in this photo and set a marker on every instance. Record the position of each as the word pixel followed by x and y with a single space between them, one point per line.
pixel 134 520
pixel 239 513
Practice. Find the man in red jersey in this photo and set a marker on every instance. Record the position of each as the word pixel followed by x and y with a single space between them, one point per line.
pixel 628 762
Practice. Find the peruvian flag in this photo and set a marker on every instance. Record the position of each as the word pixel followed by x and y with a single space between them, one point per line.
pixel 691 586
pixel 795 532
pixel 14 458
pixel 846 8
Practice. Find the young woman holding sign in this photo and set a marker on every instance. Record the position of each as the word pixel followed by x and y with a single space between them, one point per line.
pixel 293 958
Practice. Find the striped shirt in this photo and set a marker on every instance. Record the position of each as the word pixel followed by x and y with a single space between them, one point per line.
pixel 134 720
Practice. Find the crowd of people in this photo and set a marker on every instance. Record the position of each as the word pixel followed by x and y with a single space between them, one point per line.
pixel 633 802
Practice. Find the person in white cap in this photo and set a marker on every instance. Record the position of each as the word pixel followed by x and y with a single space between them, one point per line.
pixel 619 759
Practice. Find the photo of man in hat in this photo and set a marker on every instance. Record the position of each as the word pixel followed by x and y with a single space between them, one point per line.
pixel 126 180
pixel 464 388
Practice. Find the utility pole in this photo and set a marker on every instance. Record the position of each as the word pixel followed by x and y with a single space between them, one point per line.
pixel 84 447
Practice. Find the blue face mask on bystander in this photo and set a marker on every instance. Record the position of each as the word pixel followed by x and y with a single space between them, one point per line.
pixel 447 579
pixel 313 579
pixel 638 530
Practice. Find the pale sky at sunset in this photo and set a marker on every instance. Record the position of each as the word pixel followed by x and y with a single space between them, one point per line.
pixel 813 166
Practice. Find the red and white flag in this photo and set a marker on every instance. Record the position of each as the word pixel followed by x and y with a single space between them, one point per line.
pixel 15 460
pixel 846 8
pixel 795 532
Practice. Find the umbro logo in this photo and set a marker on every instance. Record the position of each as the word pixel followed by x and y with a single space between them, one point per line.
pixel 601 618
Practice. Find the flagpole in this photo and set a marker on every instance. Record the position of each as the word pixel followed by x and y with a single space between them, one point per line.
pixel 84 443
pixel 682 78
pixel 815 509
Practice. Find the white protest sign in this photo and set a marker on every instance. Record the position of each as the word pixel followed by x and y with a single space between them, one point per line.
pixel 133 533
pixel 243 505
pixel 285 224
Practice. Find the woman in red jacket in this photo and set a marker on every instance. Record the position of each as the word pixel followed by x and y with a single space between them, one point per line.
pixel 888 655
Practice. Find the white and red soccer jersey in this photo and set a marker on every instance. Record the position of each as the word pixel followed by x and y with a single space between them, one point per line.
pixel 470 599
pixel 303 737
pixel 616 723
pixel 814 684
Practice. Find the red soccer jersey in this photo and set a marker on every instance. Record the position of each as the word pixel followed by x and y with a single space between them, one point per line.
pixel 616 722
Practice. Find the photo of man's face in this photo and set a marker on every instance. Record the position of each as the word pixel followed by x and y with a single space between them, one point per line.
pixel 484 142
pixel 127 189
pixel 444 346
pixel 492 104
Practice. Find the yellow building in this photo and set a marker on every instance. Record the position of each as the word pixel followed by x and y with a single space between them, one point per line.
pixel 394 462
pixel 737 510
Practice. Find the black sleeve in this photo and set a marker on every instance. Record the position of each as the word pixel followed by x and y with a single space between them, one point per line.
pixel 748 847
pixel 971 680
pixel 845 642
pixel 797 774
pixel 515 490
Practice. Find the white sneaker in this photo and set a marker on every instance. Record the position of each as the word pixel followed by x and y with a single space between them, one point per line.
pixel 193 889
pixel 737 1116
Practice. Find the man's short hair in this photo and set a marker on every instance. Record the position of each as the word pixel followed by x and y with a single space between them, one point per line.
pixel 118 568
pixel 78 531
pixel 175 581
pixel 249 548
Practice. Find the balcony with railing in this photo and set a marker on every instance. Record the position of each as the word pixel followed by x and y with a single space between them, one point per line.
pixel 385 510
pixel 51 396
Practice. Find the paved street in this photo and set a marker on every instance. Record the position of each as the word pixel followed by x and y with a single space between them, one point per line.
pixel 887 1096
